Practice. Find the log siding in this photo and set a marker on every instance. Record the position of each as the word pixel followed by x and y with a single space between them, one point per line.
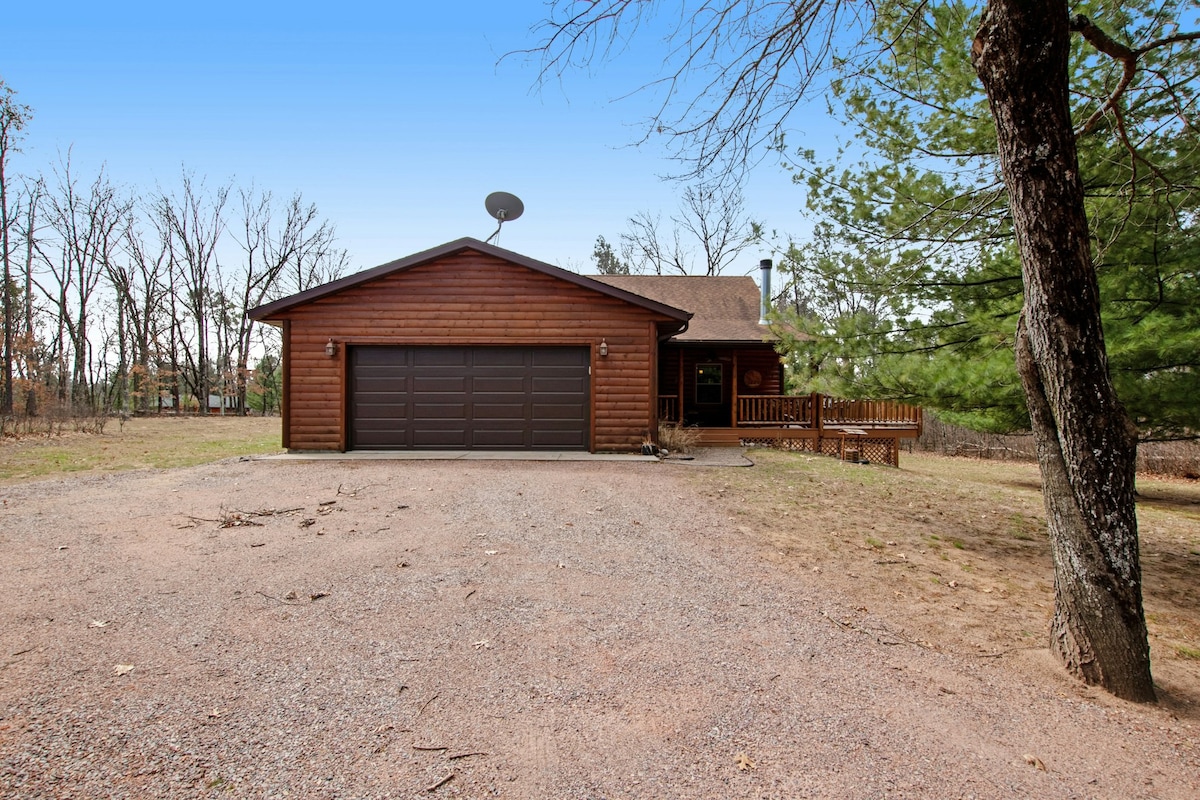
pixel 469 298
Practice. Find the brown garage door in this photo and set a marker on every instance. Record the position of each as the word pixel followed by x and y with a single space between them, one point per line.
pixel 462 398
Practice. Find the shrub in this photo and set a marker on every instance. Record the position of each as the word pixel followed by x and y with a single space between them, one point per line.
pixel 677 439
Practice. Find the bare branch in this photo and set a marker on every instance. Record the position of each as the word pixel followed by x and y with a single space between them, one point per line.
pixel 735 70
pixel 1128 56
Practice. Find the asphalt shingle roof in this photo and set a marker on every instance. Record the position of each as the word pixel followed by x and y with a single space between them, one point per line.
pixel 725 309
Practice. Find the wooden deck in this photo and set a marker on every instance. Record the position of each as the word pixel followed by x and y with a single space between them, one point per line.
pixel 853 430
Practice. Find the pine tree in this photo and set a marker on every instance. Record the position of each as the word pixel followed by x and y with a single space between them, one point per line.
pixel 607 262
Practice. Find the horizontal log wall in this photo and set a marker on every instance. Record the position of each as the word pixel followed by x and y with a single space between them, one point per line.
pixel 471 299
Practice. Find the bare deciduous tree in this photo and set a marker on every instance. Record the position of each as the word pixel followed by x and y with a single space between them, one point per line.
pixel 139 282
pixel 709 232
pixel 649 249
pixel 735 69
pixel 13 118
pixel 194 221
pixel 85 235
pixel 132 298
pixel 32 364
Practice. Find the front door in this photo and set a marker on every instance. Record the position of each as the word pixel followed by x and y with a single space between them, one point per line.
pixel 710 407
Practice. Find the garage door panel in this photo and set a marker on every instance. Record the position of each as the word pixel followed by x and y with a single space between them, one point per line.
pixel 499 383
pixel 377 433
pixel 383 410
pixel 436 356
pixel 381 386
pixel 485 357
pixel 469 397
pixel 439 383
pixel 437 411
pixel 492 411
pixel 438 439
pixel 365 357
pixel 498 439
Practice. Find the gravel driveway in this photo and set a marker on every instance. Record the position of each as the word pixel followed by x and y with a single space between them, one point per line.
pixel 526 630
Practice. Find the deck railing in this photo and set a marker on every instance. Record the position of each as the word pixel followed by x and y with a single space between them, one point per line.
pixel 774 409
pixel 809 411
pixel 837 411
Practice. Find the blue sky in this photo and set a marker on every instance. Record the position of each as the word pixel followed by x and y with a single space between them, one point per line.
pixel 395 119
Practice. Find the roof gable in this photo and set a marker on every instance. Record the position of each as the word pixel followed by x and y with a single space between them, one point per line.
pixel 274 309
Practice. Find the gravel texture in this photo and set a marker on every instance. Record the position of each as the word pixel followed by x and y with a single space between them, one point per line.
pixel 524 630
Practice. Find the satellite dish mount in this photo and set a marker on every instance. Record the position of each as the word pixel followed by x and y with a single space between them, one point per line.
pixel 504 207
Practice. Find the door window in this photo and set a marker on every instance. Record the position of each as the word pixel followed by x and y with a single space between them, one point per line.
pixel 709 380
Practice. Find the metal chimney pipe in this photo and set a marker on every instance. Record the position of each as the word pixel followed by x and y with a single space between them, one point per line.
pixel 765 266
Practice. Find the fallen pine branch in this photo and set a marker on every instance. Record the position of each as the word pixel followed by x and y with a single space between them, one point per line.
pixel 270 512
pixel 440 783
pixel 426 704
pixel 878 634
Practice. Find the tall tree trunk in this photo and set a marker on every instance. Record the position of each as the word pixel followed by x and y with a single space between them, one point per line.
pixel 121 383
pixel 13 117
pixel 33 371
pixel 6 403
pixel 1086 444
pixel 80 374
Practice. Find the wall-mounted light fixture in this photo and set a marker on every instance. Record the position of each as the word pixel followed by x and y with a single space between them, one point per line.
pixel 331 348
pixel 603 348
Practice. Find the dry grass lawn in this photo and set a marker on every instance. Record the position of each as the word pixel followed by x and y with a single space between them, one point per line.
pixel 953 553
pixel 140 443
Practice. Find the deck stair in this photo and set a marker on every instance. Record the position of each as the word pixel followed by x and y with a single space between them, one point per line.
pixel 719 437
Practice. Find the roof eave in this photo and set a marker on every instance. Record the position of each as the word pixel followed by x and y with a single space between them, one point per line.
pixel 263 313
pixel 726 342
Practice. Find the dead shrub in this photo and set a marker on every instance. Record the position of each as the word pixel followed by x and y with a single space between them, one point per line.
pixel 675 438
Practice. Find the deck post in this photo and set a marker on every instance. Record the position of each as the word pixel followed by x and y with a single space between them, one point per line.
pixel 679 413
pixel 818 421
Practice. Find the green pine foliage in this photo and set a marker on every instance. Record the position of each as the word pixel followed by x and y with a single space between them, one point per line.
pixel 606 260
pixel 911 288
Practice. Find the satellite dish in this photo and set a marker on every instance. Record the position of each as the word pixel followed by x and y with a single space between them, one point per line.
pixel 504 207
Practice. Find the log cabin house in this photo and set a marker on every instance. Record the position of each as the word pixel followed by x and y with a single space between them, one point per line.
pixel 469 346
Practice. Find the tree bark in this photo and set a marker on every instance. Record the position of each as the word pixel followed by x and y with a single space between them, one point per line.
pixel 1085 441
pixel 10 123
pixel 33 369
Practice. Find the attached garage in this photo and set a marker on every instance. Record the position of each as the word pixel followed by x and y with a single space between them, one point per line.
pixel 464 398
pixel 468 346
